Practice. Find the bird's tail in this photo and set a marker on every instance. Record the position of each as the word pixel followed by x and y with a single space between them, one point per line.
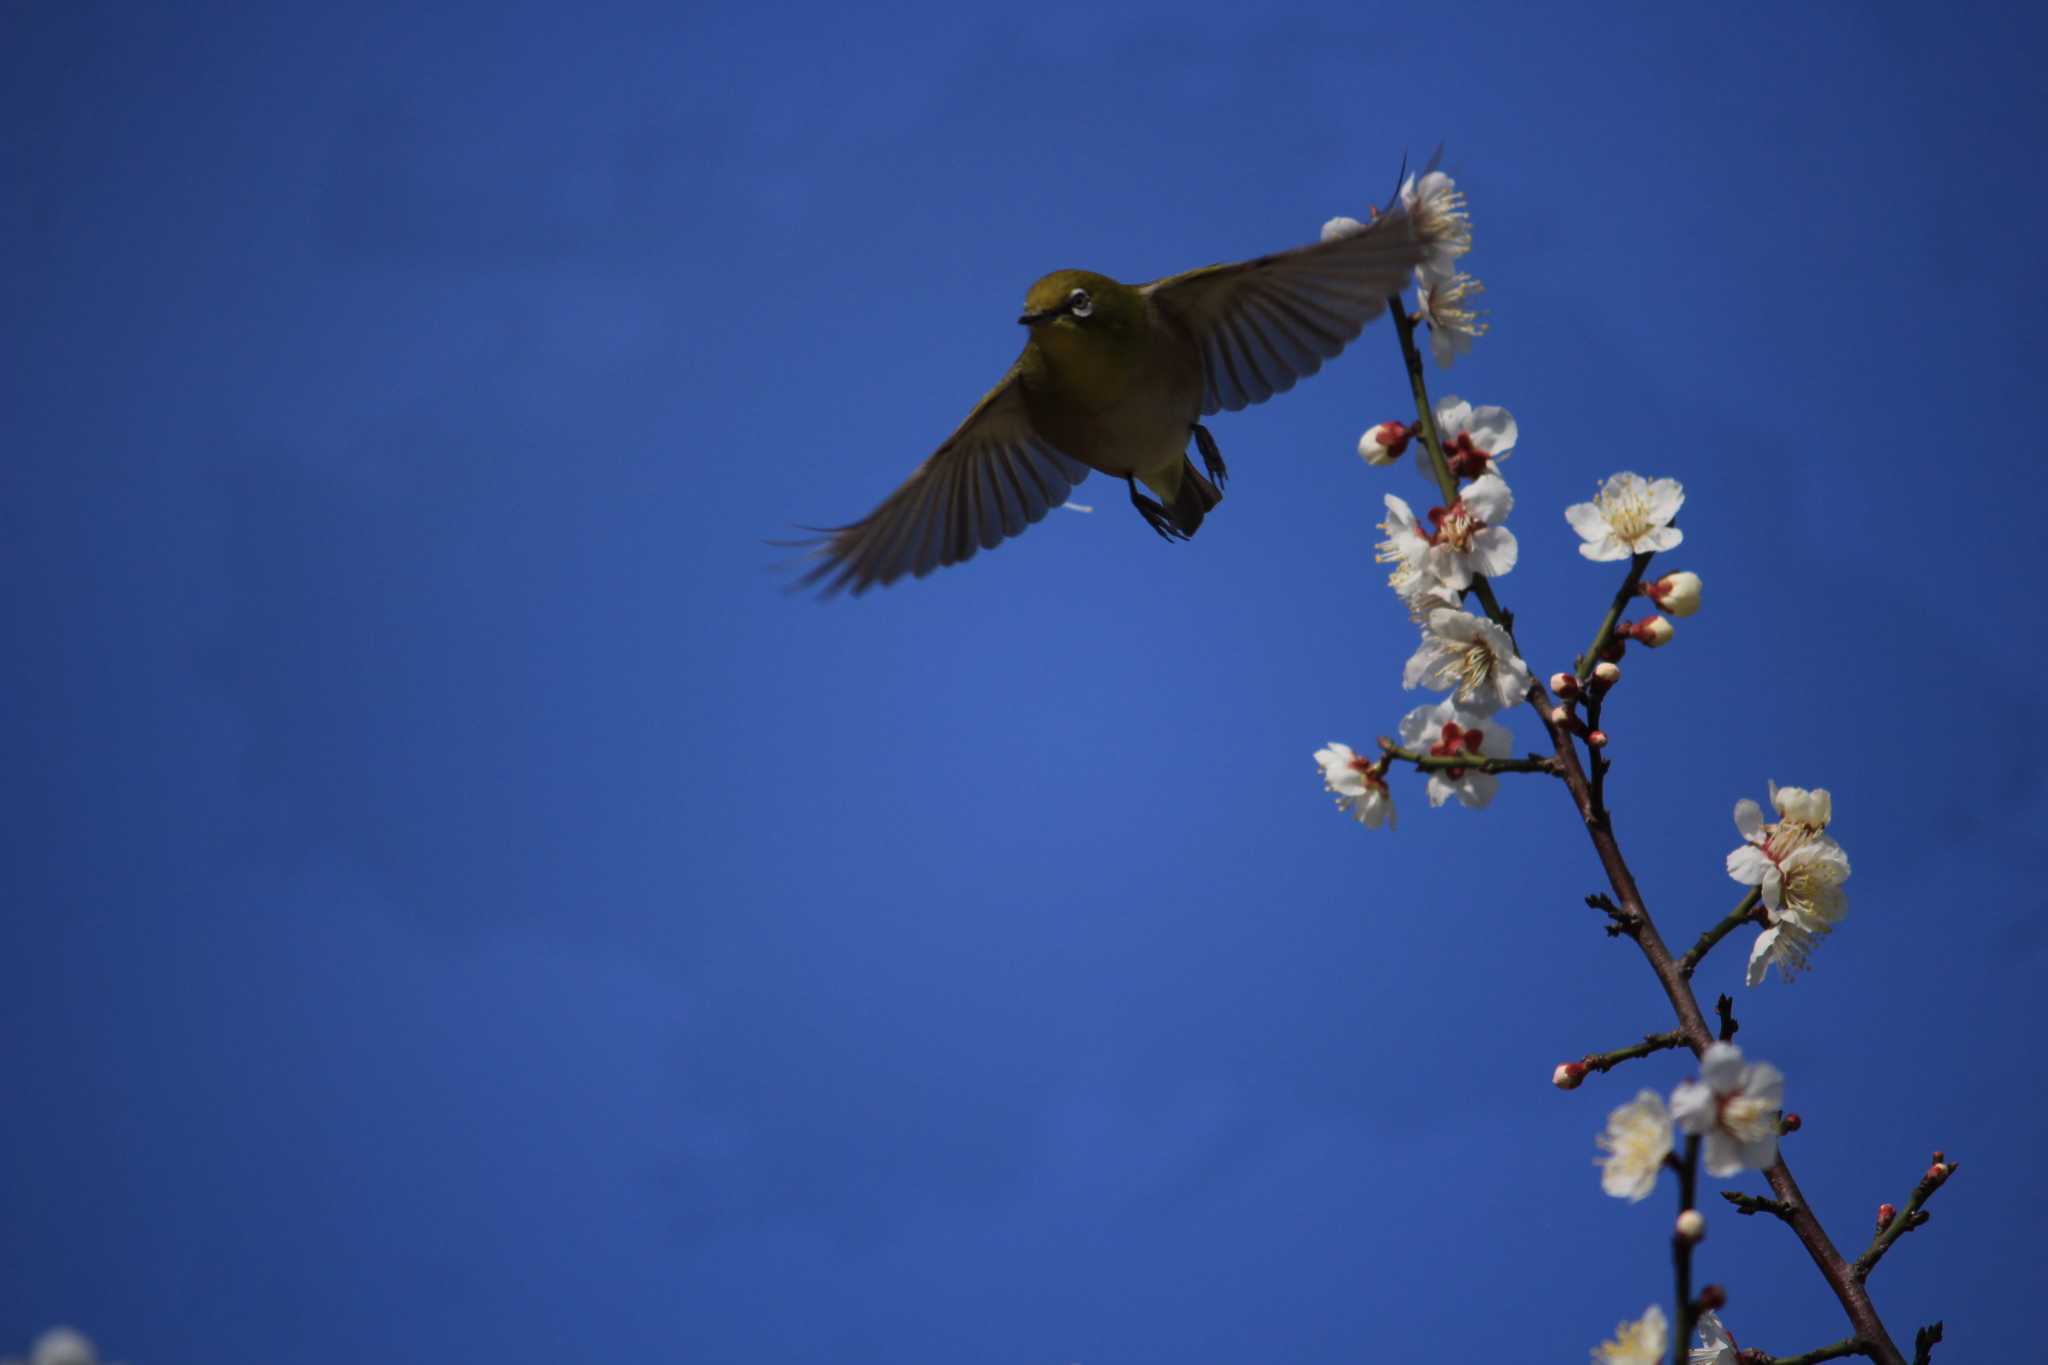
pixel 1196 496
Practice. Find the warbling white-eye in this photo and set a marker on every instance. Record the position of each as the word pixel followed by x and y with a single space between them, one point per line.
pixel 1115 377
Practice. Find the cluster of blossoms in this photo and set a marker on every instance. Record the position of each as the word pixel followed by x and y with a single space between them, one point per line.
pixel 1443 292
pixel 1734 1109
pixel 1799 872
pixel 1646 1341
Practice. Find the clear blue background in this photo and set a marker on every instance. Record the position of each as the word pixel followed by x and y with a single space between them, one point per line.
pixel 458 906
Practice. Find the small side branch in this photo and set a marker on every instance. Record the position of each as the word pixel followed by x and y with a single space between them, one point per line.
pixel 1652 1042
pixel 1748 1204
pixel 1923 1343
pixel 1848 1346
pixel 1724 1009
pixel 1905 1220
pixel 1437 763
pixel 1745 911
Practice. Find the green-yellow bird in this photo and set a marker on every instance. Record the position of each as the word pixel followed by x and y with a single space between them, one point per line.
pixel 1116 377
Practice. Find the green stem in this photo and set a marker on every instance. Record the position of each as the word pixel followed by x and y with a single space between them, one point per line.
pixel 1432 763
pixel 1735 919
pixel 1622 597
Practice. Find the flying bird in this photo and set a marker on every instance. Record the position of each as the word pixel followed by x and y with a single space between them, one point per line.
pixel 1116 378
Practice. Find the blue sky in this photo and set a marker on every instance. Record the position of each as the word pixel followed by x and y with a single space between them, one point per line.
pixel 458 905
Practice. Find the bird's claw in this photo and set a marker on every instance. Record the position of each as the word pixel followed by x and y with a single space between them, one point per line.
pixel 1154 515
pixel 1212 458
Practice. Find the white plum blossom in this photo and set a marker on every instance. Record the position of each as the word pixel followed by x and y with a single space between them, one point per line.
pixel 1407 543
pixel 1469 538
pixel 1473 438
pixel 1421 591
pixel 1358 784
pixel 1630 515
pixel 1438 207
pixel 1470 657
pixel 1716 1346
pixel 1637 1140
pixel 1341 226
pixel 1447 730
pixel 59 1346
pixel 1445 304
pixel 1798 870
pixel 1734 1105
pixel 1641 1342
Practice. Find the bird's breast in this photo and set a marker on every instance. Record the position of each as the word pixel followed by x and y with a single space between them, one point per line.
pixel 1122 415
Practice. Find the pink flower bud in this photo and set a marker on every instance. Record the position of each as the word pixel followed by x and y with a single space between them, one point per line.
pixel 1692 1226
pixel 1596 739
pixel 1677 593
pixel 1885 1214
pixel 1384 444
pixel 1606 674
pixel 1790 1123
pixel 1713 1299
pixel 1568 1075
pixel 1654 631
pixel 1565 685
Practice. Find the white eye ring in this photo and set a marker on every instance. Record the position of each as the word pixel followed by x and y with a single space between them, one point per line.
pixel 1079 304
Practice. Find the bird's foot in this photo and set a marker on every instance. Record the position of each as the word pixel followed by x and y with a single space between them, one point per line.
pixel 1154 515
pixel 1212 458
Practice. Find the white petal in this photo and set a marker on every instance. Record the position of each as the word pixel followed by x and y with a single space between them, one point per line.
pixel 1765 1082
pixel 1479 789
pixel 1418 723
pixel 1760 955
pixel 1721 1068
pixel 1585 518
pixel 1748 865
pixel 1749 820
pixel 1606 549
pixel 1493 430
pixel 1666 497
pixel 1341 227
pixel 1440 789
pixel 1657 541
pixel 1723 1154
pixel 1495 551
pixel 1693 1107
pixel 1453 416
pixel 1489 498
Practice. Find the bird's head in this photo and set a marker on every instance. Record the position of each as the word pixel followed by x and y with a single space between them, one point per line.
pixel 1081 302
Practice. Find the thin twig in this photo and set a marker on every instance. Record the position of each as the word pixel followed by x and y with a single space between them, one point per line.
pixel 1436 763
pixel 1724 1009
pixel 1906 1219
pixel 1735 919
pixel 1652 1042
pixel 1681 1251
pixel 1747 1204
pixel 1848 1346
pixel 1923 1343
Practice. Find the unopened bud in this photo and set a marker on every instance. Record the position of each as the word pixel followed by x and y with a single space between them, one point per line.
pixel 1692 1226
pixel 1654 631
pixel 1596 739
pixel 1384 444
pixel 1568 1075
pixel 1940 1158
pixel 1606 674
pixel 1565 685
pixel 1938 1172
pixel 1713 1299
pixel 1677 593
pixel 1790 1123
pixel 1885 1214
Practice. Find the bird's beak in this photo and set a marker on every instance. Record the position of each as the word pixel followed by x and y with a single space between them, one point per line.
pixel 1033 319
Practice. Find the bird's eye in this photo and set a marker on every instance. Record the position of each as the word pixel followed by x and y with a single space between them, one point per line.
pixel 1079 304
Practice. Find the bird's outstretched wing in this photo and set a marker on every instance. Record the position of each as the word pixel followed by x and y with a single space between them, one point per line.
pixel 1263 324
pixel 992 478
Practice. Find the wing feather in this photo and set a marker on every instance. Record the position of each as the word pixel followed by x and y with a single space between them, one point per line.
pixel 991 479
pixel 1263 325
